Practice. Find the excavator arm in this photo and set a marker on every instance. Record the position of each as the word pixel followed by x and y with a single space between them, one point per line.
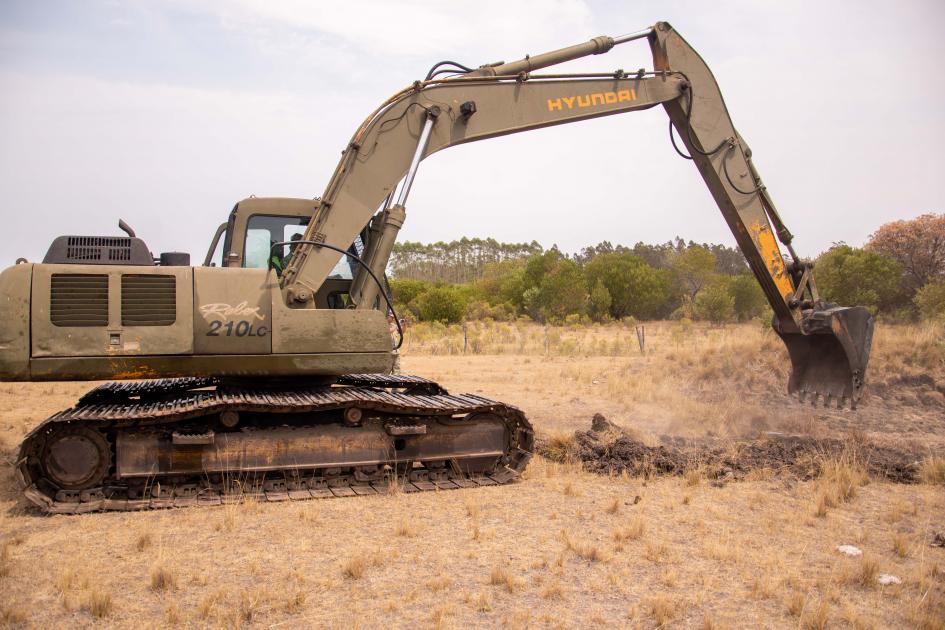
pixel 828 345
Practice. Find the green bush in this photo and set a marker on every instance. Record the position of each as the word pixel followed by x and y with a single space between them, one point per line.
pixel 441 304
pixel 930 300
pixel 748 299
pixel 856 277
pixel 635 287
pixel 406 291
pixel 599 303
pixel 714 303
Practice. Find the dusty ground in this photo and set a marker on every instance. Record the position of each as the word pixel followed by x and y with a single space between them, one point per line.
pixel 562 548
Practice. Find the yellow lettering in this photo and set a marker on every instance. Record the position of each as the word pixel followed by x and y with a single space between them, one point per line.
pixel 554 104
pixel 569 101
pixel 633 93
pixel 624 95
pixel 610 97
pixel 584 101
pixel 597 99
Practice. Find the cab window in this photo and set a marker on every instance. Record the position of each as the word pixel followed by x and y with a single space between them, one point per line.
pixel 263 231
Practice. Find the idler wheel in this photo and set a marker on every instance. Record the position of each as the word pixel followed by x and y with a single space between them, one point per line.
pixel 75 458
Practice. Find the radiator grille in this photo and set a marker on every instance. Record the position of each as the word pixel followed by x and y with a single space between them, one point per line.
pixel 78 299
pixel 148 300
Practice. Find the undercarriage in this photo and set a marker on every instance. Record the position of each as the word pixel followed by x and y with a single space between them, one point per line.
pixel 203 441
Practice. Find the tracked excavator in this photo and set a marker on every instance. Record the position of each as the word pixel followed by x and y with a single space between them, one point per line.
pixel 266 371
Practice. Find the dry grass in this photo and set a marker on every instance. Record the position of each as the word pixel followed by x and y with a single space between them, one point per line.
pixel 144 541
pixel 841 477
pixel 502 577
pixel 933 470
pixel 480 602
pixel 818 617
pixel 900 546
pixel 561 446
pixel 98 603
pixel 289 564
pixel 6 561
pixel 162 578
pixel 406 528
pixel 796 603
pixel 552 591
pixel 662 609
pixel 584 549
pixel 633 531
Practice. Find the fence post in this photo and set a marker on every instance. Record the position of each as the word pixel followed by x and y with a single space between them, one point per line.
pixel 641 337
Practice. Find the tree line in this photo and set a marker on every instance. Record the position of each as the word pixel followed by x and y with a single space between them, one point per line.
pixel 899 274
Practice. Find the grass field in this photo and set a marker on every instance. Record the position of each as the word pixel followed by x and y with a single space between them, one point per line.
pixel 563 548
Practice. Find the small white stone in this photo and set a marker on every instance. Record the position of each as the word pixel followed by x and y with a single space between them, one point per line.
pixel 886 579
pixel 850 550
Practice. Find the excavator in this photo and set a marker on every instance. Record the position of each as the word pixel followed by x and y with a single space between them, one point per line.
pixel 266 372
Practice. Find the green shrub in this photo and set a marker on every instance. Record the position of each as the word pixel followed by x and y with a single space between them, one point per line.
pixel 930 300
pixel 714 303
pixel 442 304
pixel 748 299
pixel 857 277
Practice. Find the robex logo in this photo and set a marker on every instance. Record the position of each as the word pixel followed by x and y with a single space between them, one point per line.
pixel 590 100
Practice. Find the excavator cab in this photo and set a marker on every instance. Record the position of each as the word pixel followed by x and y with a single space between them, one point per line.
pixel 247 240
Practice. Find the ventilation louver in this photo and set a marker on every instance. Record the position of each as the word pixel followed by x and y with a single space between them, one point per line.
pixel 77 299
pixel 148 300
pixel 96 248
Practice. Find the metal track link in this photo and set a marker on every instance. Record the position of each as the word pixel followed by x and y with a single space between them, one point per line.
pixel 194 495
pixel 163 403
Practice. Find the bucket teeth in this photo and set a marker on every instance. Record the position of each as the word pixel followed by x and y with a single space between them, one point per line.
pixel 829 399
pixel 829 358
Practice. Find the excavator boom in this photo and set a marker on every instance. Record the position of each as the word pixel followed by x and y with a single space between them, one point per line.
pixel 828 345
pixel 269 373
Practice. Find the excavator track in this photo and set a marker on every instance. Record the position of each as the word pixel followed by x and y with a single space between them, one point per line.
pixel 206 441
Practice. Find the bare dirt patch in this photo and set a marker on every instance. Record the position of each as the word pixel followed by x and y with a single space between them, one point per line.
pixel 608 449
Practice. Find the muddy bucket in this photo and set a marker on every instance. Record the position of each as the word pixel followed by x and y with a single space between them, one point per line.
pixel 829 362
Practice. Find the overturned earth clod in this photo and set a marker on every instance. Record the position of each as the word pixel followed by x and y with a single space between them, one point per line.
pixel 609 449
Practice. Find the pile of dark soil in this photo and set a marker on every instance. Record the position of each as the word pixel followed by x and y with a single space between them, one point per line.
pixel 606 449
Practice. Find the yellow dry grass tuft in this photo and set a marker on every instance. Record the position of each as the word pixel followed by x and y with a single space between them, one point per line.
pixel 662 609
pixel 501 577
pixel 632 531
pixel 172 614
pixel 480 602
pixel 6 561
pixel 583 549
pixel 817 618
pixel 553 591
pixel 98 603
pixel 144 540
pixel 561 447
pixel 406 528
pixel 933 470
pixel 795 603
pixel 840 478
pixel 900 546
pixel 162 578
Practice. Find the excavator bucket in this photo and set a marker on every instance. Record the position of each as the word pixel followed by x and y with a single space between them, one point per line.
pixel 829 362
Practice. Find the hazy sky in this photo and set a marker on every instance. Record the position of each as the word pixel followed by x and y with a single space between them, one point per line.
pixel 166 112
